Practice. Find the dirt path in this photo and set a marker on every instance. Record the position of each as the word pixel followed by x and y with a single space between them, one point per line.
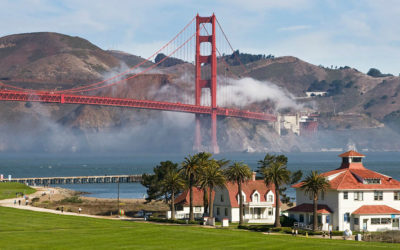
pixel 54 192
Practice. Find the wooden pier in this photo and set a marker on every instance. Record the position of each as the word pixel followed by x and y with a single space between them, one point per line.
pixel 77 180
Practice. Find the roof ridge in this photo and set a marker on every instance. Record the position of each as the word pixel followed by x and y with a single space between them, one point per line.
pixel 340 183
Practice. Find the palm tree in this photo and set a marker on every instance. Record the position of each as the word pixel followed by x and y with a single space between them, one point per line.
pixel 190 168
pixel 204 159
pixel 172 184
pixel 314 184
pixel 274 170
pixel 239 173
pixel 211 176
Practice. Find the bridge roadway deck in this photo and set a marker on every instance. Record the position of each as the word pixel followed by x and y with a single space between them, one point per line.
pixel 77 179
pixel 7 95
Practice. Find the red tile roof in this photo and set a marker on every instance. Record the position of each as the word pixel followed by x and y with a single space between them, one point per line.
pixel 376 209
pixel 308 208
pixel 351 153
pixel 184 199
pixel 249 188
pixel 350 177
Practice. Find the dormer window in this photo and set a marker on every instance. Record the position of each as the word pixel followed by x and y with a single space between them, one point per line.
pixel 372 181
pixel 270 198
pixel 256 198
pixel 243 195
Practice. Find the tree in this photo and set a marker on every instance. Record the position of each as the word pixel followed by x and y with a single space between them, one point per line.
pixel 152 181
pixel 190 168
pixel 204 159
pixel 211 175
pixel 172 184
pixel 313 184
pixel 239 173
pixel 274 171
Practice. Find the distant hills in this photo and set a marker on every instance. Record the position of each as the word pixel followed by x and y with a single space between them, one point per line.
pixel 355 102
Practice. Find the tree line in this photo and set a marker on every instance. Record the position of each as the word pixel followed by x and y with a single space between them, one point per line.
pixel 203 171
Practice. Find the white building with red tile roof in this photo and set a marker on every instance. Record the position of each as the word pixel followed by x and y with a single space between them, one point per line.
pixel 258 200
pixel 358 199
pixel 182 204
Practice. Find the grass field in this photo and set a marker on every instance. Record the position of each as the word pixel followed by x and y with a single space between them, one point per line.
pixel 8 189
pixel 27 229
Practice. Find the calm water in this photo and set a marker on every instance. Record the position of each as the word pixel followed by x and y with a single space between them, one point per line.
pixel 41 165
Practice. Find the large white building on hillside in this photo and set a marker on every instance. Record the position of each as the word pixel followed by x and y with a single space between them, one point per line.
pixel 358 199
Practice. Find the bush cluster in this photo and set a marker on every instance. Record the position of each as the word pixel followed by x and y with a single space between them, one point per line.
pixel 287 230
pixel 162 220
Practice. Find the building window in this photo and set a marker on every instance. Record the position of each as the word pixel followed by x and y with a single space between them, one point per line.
pixel 378 195
pixel 301 218
pixel 270 211
pixel 386 221
pixel 218 212
pixel 356 159
pixel 396 196
pixel 372 181
pixel 346 217
pixel 255 196
pixel 375 221
pixel 345 195
pixel 358 196
pixel 197 209
pixel 270 198
pixel 356 221
pixel 328 219
pixel 222 198
pixel 226 211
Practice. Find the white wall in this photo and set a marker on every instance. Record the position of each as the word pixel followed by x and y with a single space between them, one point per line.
pixel 335 201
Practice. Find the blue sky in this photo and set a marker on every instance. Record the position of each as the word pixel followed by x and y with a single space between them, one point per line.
pixel 360 34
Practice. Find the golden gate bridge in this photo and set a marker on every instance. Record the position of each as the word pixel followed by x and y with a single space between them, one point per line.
pixel 206 91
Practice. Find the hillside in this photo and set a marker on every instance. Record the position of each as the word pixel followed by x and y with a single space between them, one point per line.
pixel 358 108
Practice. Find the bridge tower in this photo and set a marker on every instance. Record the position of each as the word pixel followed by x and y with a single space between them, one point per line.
pixel 206 83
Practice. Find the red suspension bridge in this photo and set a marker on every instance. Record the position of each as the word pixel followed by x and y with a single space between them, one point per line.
pixel 209 98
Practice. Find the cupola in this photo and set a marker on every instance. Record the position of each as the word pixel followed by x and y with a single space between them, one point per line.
pixel 352 159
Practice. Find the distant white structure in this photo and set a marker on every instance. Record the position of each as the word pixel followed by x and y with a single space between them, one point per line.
pixel 316 93
pixel 358 199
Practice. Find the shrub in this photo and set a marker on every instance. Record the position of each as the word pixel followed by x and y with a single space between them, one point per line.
pixel 162 220
pixel 36 199
pixel 72 199
pixel 287 221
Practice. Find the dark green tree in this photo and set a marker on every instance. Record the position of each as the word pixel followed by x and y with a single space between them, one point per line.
pixel 239 173
pixel 153 181
pixel 172 184
pixel 210 176
pixel 314 184
pixel 274 171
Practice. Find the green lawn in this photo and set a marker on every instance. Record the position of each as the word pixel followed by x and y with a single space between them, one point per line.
pixel 27 229
pixel 8 189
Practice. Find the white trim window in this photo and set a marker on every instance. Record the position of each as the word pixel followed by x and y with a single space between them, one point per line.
pixel 255 197
pixel 270 198
pixel 378 195
pixel 270 211
pixel 358 196
pixel 396 195
pixel 244 197
pixel 345 195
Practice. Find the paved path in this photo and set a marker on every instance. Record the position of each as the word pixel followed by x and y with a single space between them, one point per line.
pixel 40 190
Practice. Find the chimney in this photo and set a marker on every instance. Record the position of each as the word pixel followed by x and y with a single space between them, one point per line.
pixel 254 176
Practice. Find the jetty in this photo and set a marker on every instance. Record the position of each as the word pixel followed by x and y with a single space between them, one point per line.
pixel 77 179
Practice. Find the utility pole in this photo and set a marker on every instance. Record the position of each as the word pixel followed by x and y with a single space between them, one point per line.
pixel 118 196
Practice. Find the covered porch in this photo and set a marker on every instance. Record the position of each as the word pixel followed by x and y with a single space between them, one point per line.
pixel 259 213
pixel 303 213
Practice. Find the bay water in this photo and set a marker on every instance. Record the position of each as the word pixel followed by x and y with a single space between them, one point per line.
pixel 54 165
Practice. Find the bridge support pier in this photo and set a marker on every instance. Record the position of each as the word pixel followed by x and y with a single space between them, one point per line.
pixel 214 142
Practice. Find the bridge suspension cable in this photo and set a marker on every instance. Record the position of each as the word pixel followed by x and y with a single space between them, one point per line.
pixel 83 88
